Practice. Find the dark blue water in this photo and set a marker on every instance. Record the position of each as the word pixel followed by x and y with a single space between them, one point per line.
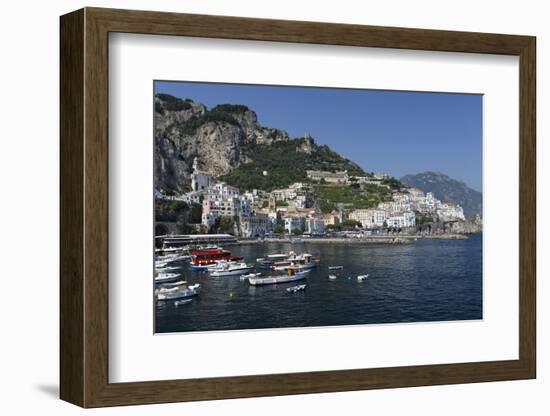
pixel 428 280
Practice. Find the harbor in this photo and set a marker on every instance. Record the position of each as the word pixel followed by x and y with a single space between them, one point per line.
pixel 348 284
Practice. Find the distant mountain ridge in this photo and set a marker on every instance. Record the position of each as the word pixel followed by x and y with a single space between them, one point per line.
pixel 447 189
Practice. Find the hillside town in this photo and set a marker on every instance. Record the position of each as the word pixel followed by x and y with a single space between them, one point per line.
pixel 292 210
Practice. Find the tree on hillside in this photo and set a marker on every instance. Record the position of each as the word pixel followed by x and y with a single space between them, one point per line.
pixel 279 229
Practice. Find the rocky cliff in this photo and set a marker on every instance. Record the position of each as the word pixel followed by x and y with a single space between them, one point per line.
pixel 185 130
pixel 230 143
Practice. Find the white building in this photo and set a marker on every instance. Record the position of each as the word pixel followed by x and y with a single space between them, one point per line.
pixel 293 223
pixel 405 219
pixel 194 197
pixel 369 218
pixel 200 180
pixel 246 205
pixel 330 177
pixel 416 193
pixel 450 212
pixel 315 226
pixel 209 219
pixel 256 225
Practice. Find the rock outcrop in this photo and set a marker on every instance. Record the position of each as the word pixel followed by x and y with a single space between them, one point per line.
pixel 185 130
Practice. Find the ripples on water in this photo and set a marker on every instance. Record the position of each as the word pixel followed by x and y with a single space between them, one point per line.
pixel 429 280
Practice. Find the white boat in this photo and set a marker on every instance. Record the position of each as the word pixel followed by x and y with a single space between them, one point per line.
pixel 248 276
pixel 160 264
pixel 232 270
pixel 362 277
pixel 168 269
pixel 166 277
pixel 273 280
pixel 169 250
pixel 219 265
pixel 278 256
pixel 182 302
pixel 297 288
pixel 303 261
pixel 172 284
pixel 179 257
pixel 178 292
pixel 335 267
pixel 332 277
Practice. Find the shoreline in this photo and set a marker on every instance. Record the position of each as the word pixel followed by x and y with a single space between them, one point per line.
pixel 402 239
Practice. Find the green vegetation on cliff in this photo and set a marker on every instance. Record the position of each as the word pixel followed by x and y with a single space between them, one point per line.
pixel 285 162
pixel 369 196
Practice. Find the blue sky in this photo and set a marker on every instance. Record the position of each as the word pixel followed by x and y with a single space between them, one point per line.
pixel 396 132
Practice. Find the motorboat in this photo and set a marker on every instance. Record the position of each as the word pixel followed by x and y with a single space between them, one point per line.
pixel 219 265
pixel 182 302
pixel 232 270
pixel 248 276
pixel 173 284
pixel 178 292
pixel 283 278
pixel 201 259
pixel 362 277
pixel 167 269
pixel 332 276
pixel 304 261
pixel 166 277
pixel 335 267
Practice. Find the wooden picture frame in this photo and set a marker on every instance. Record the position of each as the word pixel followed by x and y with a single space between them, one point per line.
pixel 84 207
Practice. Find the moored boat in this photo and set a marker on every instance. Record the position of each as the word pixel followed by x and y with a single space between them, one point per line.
pixel 166 277
pixel 182 302
pixel 178 292
pixel 201 259
pixel 232 270
pixel 172 284
pixel 332 277
pixel 335 267
pixel 272 280
pixel 362 277
pixel 167 269
pixel 248 276
pixel 304 261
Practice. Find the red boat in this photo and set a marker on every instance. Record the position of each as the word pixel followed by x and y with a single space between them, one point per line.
pixel 201 259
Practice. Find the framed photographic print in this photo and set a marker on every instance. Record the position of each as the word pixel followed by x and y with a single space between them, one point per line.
pixel 256 207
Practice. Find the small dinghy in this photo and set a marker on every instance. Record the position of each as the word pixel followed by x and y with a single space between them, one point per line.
pixel 362 277
pixel 332 277
pixel 182 302
pixel 297 288
pixel 335 267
